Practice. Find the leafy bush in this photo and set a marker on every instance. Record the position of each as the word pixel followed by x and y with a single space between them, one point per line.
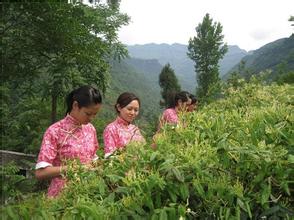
pixel 13 184
pixel 233 159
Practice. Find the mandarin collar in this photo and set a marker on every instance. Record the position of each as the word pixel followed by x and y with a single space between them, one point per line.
pixel 72 120
pixel 121 121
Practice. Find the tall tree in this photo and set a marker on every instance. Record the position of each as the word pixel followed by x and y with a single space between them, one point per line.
pixel 169 84
pixel 206 50
pixel 47 48
pixel 55 46
pixel 291 19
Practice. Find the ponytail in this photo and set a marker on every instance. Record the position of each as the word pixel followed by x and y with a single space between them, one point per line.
pixel 84 96
pixel 69 101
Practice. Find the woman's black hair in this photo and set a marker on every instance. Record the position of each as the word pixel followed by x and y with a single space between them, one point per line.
pixel 193 99
pixel 84 96
pixel 124 99
pixel 183 96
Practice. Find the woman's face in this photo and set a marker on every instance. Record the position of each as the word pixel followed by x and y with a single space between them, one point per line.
pixel 184 106
pixel 192 107
pixel 85 114
pixel 129 112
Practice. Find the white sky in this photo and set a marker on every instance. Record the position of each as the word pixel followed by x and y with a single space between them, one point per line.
pixel 249 24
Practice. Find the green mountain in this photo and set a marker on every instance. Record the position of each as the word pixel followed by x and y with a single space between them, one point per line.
pixel 274 56
pixel 176 55
pixel 150 68
pixel 233 56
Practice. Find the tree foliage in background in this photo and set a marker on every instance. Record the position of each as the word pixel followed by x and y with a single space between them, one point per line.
pixel 59 45
pixel 242 72
pixel 49 48
pixel 206 49
pixel 169 84
pixel 291 19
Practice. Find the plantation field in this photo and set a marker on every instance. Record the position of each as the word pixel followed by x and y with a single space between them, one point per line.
pixel 232 159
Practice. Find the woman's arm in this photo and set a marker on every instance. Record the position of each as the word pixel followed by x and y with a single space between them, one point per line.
pixel 49 172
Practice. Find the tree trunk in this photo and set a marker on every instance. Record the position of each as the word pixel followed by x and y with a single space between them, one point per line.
pixel 53 108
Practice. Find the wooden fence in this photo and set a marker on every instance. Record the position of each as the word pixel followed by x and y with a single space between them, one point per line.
pixel 25 162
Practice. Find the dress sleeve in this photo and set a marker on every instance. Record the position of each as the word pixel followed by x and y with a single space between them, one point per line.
pixel 170 117
pixel 109 141
pixel 48 150
pixel 167 116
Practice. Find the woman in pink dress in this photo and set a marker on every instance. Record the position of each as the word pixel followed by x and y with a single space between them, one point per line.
pixel 73 137
pixel 121 131
pixel 194 103
pixel 180 103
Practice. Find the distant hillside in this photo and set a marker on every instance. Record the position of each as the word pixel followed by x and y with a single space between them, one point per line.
pixel 150 68
pixel 176 55
pixel 232 57
pixel 270 56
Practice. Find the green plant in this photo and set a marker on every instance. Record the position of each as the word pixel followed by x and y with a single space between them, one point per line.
pixel 13 184
pixel 232 159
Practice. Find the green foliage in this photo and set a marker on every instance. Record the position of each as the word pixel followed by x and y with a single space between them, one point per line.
pixel 24 118
pixel 13 184
pixel 232 159
pixel 206 50
pixel 235 80
pixel 169 85
pixel 286 78
pixel 277 56
pixel 62 45
pixel 48 48
pixel 291 19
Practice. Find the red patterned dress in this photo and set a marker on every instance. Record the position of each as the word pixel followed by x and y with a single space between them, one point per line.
pixel 170 116
pixel 65 140
pixel 118 134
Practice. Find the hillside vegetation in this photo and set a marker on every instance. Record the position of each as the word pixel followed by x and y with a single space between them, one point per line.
pixel 232 159
pixel 277 56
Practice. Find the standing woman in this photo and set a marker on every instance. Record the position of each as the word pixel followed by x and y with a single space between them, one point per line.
pixel 180 103
pixel 73 137
pixel 121 132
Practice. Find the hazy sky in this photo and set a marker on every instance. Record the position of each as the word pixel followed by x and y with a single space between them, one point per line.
pixel 249 24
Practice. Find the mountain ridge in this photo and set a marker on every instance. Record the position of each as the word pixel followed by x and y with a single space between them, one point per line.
pixel 270 56
pixel 176 55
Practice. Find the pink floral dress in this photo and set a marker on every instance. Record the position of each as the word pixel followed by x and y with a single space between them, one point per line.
pixel 64 140
pixel 170 116
pixel 118 134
